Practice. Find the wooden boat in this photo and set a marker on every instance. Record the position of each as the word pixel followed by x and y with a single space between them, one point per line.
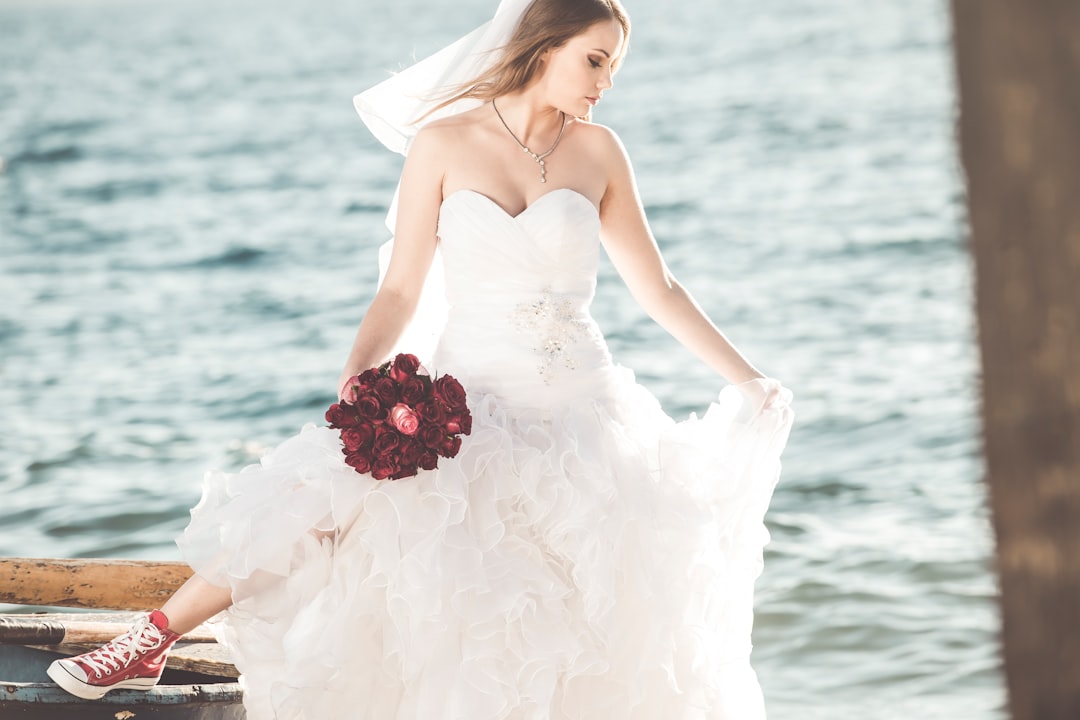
pixel 199 682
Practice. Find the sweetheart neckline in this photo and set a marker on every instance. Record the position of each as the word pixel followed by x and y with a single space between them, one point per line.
pixel 528 207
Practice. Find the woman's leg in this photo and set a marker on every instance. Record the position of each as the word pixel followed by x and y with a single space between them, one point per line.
pixel 193 603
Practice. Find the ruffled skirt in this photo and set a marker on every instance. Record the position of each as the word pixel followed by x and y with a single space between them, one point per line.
pixel 594 561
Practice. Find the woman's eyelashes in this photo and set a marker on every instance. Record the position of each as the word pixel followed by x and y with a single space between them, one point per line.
pixel 595 63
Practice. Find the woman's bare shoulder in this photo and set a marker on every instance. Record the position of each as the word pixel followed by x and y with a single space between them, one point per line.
pixel 603 148
pixel 601 140
pixel 453 129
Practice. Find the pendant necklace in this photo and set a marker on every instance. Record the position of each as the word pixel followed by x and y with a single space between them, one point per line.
pixel 538 157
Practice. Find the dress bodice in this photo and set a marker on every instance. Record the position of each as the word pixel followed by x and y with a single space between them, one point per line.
pixel 552 245
pixel 519 289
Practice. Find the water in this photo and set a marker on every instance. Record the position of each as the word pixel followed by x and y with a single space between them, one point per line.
pixel 188 214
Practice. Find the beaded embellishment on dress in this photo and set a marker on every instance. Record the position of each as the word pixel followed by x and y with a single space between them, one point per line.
pixel 553 320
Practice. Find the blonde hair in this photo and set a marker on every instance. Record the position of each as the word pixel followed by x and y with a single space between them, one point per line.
pixel 544 25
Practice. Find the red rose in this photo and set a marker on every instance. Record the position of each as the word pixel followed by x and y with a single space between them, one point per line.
pixel 387 390
pixel 335 415
pixel 430 435
pixel 366 431
pixel 383 467
pixel 358 461
pixel 351 439
pixel 410 454
pixel 413 391
pixel 404 419
pixel 370 407
pixel 404 367
pixel 431 412
pixel 449 390
pixel 367 379
pixel 386 440
pixel 460 423
pixel 429 460
pixel 450 446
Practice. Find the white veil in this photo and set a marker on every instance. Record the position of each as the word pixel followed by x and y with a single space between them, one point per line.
pixel 391 109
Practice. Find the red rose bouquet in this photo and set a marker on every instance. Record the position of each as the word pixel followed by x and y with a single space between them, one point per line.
pixel 396 420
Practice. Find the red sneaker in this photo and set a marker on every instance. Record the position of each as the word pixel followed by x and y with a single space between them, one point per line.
pixel 133 660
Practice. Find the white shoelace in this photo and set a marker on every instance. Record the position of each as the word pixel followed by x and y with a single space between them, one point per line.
pixel 143 637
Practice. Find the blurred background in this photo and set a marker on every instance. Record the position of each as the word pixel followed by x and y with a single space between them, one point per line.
pixel 189 212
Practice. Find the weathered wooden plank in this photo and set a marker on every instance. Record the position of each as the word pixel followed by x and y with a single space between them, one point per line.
pixel 54 629
pixel 90 583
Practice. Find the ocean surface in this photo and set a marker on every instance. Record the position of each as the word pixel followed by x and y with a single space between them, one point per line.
pixel 189 212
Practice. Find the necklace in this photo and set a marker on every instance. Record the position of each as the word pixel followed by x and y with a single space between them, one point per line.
pixel 538 157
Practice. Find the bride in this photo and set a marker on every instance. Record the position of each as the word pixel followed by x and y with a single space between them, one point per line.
pixel 584 555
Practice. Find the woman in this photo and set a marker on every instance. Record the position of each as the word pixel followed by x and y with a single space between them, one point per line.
pixel 583 556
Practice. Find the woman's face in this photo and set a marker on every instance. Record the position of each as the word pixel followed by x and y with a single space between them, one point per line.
pixel 577 73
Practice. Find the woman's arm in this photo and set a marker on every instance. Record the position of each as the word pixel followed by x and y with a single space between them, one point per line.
pixel 415 239
pixel 634 253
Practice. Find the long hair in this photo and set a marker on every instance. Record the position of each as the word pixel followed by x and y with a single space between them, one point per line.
pixel 545 24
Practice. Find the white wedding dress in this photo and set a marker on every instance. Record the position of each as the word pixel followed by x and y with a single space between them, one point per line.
pixel 584 556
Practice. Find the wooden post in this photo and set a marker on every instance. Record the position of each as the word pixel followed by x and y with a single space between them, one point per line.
pixel 1018 66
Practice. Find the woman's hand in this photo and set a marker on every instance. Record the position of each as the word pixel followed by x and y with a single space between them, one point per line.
pixel 342 382
pixel 761 393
